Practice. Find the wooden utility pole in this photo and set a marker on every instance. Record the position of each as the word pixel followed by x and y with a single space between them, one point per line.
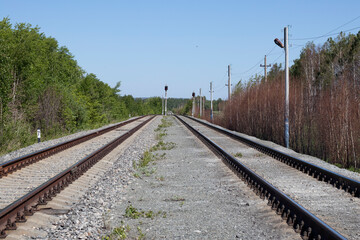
pixel 211 102
pixel 265 66
pixel 200 103
pixel 193 105
pixel 203 104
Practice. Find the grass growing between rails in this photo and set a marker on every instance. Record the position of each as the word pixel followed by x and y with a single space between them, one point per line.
pixel 134 213
pixel 165 123
pixel 238 155
pixel 125 232
pixel 142 166
pixel 118 233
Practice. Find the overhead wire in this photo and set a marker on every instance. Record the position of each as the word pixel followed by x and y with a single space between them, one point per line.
pixel 330 33
pixel 325 35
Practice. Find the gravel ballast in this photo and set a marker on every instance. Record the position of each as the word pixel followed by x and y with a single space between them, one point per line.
pixel 187 193
pixel 89 218
pixel 45 144
pixel 191 194
pixel 26 179
pixel 307 158
pixel 335 207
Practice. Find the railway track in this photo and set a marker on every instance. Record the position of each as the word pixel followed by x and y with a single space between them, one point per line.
pixel 305 203
pixel 337 180
pixel 25 186
pixel 13 165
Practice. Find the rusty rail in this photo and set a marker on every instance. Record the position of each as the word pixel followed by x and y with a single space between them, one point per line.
pixel 27 205
pixel 25 160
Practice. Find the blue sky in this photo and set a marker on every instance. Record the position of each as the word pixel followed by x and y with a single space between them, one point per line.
pixel 185 44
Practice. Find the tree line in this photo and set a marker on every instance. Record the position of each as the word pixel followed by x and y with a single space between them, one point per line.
pixel 324 103
pixel 42 86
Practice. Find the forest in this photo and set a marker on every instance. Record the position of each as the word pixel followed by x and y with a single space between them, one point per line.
pixel 324 103
pixel 42 86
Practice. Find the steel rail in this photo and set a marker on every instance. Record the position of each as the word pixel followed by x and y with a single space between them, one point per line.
pixel 25 160
pixel 337 180
pixel 303 221
pixel 27 205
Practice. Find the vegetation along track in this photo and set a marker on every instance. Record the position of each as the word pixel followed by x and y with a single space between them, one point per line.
pixel 24 190
pixel 301 196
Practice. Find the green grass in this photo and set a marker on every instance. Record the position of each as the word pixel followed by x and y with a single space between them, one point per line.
pixel 165 122
pixel 134 213
pixel 146 159
pixel 117 233
pixel 161 145
pixel 238 155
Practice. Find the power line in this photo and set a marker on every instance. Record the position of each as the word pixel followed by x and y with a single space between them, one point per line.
pixel 271 50
pixel 329 33
pixel 344 24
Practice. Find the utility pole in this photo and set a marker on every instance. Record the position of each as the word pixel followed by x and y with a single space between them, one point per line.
pixel 286 112
pixel 203 105
pixel 211 102
pixel 166 88
pixel 229 84
pixel 265 66
pixel 286 39
pixel 200 104
pixel 193 105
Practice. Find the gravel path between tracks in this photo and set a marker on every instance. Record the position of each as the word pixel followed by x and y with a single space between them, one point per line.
pixel 38 146
pixel 335 207
pixel 192 195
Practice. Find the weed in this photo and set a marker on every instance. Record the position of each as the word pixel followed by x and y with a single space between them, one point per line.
pixel 164 124
pixel 132 212
pixel 117 233
pixel 148 172
pixel 161 178
pixel 160 136
pixel 238 155
pixel 146 159
pixel 149 214
pixel 161 145
pixel 141 234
